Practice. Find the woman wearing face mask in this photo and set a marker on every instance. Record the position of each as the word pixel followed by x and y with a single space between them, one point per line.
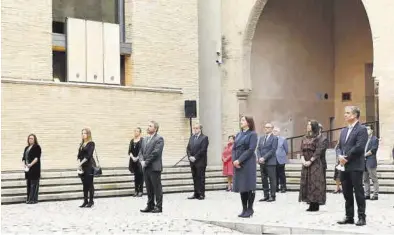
pixel 85 167
pixel 32 165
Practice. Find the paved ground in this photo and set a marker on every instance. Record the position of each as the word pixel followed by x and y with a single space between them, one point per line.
pixel 121 215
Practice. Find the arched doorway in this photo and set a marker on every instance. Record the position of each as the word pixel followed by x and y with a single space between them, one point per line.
pixel 309 59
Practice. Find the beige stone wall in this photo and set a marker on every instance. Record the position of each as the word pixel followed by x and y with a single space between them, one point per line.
pixel 26 39
pixel 292 65
pixel 353 49
pixel 58 112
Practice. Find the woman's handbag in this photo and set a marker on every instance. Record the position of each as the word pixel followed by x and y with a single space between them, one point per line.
pixel 97 171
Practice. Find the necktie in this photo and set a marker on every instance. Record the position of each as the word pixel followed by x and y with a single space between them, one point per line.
pixel 265 139
pixel 148 139
pixel 350 128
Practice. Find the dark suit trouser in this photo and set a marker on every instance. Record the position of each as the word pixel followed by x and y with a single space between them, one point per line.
pixel 153 188
pixel 198 173
pixel 268 172
pixel 280 176
pixel 88 187
pixel 353 180
pixel 32 187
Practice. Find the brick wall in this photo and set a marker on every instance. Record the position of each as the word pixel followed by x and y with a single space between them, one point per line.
pixel 56 113
pixel 26 39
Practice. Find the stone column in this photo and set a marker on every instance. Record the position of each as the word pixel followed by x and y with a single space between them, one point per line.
pixel 210 101
pixel 242 96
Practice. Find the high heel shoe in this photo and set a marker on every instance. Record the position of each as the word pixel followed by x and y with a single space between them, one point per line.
pixel 90 204
pixel 85 203
pixel 248 213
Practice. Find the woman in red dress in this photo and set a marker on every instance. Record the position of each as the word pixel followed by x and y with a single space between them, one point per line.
pixel 227 162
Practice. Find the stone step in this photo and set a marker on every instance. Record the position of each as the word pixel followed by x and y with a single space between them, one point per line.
pixel 103 186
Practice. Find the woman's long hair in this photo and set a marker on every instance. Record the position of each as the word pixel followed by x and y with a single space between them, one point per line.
pixel 314 129
pixel 35 139
pixel 89 135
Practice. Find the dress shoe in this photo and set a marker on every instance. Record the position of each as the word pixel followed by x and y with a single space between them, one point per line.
pixel 248 213
pixel 85 203
pixel 283 190
pixel 374 198
pixel 361 222
pixel 271 199
pixel 264 199
pixel 147 209
pixel 201 198
pixel 192 197
pixel 90 204
pixel 367 197
pixel 346 221
pixel 157 210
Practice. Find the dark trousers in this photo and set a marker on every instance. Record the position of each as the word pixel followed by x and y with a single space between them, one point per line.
pixel 138 178
pixel 280 176
pixel 353 180
pixel 88 187
pixel 198 173
pixel 268 172
pixel 153 188
pixel 32 187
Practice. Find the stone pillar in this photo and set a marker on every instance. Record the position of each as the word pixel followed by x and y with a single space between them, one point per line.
pixel 210 101
pixel 242 96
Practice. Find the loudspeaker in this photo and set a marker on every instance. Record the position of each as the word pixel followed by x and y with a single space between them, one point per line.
pixel 190 109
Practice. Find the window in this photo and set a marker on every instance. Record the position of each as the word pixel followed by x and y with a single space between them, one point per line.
pixel 106 11
pixel 346 96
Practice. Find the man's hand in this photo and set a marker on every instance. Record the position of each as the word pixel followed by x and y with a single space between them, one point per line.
pixel 143 164
pixel 192 159
pixel 261 160
pixel 342 160
pixel 236 164
pixel 307 163
pixel 369 153
pixel 135 159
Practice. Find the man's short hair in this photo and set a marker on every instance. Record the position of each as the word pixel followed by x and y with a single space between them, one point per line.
pixel 155 125
pixel 355 110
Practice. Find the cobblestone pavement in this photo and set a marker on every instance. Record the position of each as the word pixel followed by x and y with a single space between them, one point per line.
pixel 121 215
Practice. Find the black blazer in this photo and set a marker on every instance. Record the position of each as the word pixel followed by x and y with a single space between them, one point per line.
pixel 34 172
pixel 371 161
pixel 267 150
pixel 152 153
pixel 86 152
pixel 354 147
pixel 198 149
pixel 134 148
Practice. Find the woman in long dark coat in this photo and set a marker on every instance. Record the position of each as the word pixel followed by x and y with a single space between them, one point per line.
pixel 32 162
pixel 134 163
pixel 312 185
pixel 244 162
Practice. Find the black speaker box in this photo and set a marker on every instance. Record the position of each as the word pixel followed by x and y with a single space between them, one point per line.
pixel 190 109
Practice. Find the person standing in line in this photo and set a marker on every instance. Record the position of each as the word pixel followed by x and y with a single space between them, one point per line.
pixel 196 150
pixel 150 156
pixel 134 163
pixel 228 168
pixel 32 164
pixel 281 159
pixel 350 152
pixel 324 145
pixel 243 157
pixel 266 150
pixel 371 164
pixel 85 167
pixel 312 183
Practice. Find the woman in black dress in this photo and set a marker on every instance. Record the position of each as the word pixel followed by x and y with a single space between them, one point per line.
pixel 134 163
pixel 32 164
pixel 244 161
pixel 85 167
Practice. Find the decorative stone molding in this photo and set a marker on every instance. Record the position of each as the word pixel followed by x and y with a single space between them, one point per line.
pixel 243 94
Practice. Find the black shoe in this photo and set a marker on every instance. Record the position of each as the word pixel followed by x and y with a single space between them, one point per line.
pixel 242 213
pixel 367 197
pixel 147 209
pixel 361 222
pixel 283 190
pixel 193 197
pixel 201 198
pixel 346 221
pixel 309 208
pixel 271 199
pixel 374 198
pixel 264 199
pixel 34 202
pixel 85 203
pixel 248 213
pixel 157 210
pixel 90 204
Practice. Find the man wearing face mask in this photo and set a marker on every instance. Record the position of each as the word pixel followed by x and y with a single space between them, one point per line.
pixel 197 154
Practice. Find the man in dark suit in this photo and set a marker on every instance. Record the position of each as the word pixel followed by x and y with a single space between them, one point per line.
pixel 350 151
pixel 151 161
pixel 197 154
pixel 324 143
pixel 370 165
pixel 266 155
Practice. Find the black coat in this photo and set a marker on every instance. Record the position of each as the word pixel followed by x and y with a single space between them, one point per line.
pixel 87 152
pixel 34 172
pixel 198 149
pixel 134 148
